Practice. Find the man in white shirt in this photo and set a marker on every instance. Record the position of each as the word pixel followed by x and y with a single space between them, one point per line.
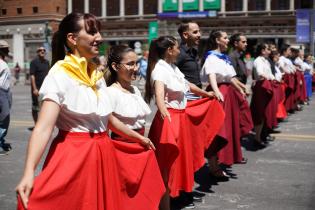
pixel 5 97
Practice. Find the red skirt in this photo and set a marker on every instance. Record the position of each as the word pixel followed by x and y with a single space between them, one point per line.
pixel 272 106
pixel 262 95
pixel 181 143
pixel 237 122
pixel 281 111
pixel 303 92
pixel 140 174
pixel 206 118
pixel 289 103
pixel 82 171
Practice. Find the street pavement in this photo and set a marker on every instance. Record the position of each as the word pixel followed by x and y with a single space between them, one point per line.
pixel 279 177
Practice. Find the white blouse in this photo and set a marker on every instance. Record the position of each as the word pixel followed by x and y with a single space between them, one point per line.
pixel 298 61
pixel 286 65
pixel 175 84
pixel 262 68
pixel 130 108
pixel 223 71
pixel 278 74
pixel 81 109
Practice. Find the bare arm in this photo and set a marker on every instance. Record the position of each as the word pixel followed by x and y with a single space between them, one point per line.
pixel 159 96
pixel 120 128
pixel 37 144
pixel 238 85
pixel 214 85
pixel 34 88
pixel 200 92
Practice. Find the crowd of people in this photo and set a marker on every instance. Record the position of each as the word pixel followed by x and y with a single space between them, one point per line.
pixel 101 159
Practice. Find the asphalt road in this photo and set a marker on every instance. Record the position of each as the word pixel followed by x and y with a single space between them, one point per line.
pixel 279 177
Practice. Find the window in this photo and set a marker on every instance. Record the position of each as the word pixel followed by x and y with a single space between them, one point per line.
pixel 19 10
pixel 260 5
pixel 283 5
pixel 35 10
pixel 57 9
pixel 3 11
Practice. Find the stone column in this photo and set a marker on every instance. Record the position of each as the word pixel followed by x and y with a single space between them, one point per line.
pixel 201 9
pixel 122 8
pixel 104 8
pixel 292 4
pixel 140 7
pixel 86 6
pixel 69 6
pixel 268 5
pixel 180 5
pixel 222 6
pixel 18 48
pixel 160 6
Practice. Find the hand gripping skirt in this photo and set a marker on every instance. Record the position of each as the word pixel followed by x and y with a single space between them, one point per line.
pixel 140 173
pixel 281 111
pixel 271 108
pixel 289 103
pixel 82 172
pixel 262 96
pixel 181 143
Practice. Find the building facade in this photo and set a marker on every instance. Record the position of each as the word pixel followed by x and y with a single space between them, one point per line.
pixel 28 24
pixel 24 23
pixel 261 20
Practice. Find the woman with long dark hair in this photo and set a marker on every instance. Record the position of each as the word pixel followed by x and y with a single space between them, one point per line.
pixel 145 183
pixel 219 72
pixel 180 133
pixel 81 170
pixel 262 105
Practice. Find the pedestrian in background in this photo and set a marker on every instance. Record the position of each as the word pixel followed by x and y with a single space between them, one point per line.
pixel 5 97
pixel 143 64
pixel 39 68
pixel 17 70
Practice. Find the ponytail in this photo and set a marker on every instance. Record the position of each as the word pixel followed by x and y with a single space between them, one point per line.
pixel 157 51
pixel 115 55
pixel 58 48
pixel 152 60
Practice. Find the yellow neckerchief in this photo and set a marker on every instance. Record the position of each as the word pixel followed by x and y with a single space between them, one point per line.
pixel 77 68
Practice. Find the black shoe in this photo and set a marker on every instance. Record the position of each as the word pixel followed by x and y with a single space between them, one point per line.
pixel 197 199
pixel 3 152
pixel 6 147
pixel 189 206
pixel 243 161
pixel 275 131
pixel 270 138
pixel 259 145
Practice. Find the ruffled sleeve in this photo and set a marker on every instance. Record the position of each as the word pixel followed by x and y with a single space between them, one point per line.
pixel 211 65
pixel 54 87
pixel 159 74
